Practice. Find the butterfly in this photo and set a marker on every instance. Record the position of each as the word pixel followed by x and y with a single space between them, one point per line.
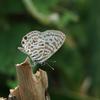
pixel 40 46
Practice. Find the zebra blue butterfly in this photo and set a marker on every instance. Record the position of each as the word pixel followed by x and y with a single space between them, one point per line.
pixel 40 46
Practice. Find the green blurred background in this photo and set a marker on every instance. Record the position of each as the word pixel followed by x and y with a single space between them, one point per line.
pixel 77 67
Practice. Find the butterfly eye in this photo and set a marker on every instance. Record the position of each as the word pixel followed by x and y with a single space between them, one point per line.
pixel 25 37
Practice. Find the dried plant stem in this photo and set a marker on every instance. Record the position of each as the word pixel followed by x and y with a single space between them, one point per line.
pixel 31 86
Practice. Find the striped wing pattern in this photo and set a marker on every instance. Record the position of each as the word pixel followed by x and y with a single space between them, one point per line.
pixel 40 46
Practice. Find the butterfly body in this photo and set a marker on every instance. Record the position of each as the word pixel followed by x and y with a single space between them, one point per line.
pixel 40 46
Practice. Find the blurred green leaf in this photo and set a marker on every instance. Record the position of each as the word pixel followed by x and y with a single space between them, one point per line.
pixel 11 6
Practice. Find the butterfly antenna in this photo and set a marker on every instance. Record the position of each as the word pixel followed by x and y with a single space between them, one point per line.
pixel 52 62
pixel 49 66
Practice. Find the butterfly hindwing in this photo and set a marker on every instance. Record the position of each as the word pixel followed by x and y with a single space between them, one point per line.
pixel 53 41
